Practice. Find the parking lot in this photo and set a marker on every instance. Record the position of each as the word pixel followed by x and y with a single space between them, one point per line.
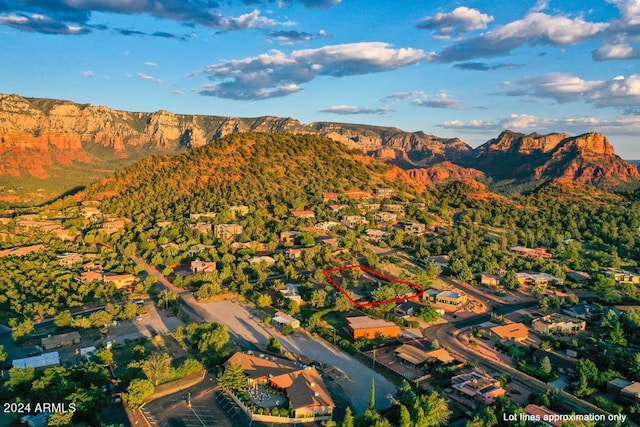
pixel 246 324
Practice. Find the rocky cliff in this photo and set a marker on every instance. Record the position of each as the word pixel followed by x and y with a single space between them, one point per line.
pixel 588 158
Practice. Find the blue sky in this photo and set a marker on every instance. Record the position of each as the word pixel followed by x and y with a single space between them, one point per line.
pixel 450 68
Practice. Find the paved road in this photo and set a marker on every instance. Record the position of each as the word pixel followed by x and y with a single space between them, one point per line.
pixel 246 324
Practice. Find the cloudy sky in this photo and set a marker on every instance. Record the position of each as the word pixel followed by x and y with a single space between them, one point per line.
pixel 450 68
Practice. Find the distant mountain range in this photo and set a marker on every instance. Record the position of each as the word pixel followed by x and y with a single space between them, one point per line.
pixel 50 146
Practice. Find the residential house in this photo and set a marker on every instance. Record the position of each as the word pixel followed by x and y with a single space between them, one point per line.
pixel 578 276
pixel 62 340
pixel 581 311
pixel 368 207
pixel 303 385
pixel 538 279
pixel 41 361
pixel 441 261
pixel 203 215
pixel 68 259
pixel 164 224
pixel 336 208
pixel 90 212
pixel 113 226
pixel 196 249
pixel 201 227
pixel 418 353
pixel 288 238
pixel 383 192
pixel 118 280
pixel 328 196
pixel 487 279
pixel 511 332
pixel 295 253
pixel 252 246
pixel 227 231
pixel 291 292
pixel 623 276
pixel 396 208
pixel 302 214
pixel 407 308
pixel 414 228
pixel 386 217
pixel 546 416
pixel 558 324
pixel 628 391
pixel 352 221
pixel 280 320
pixel 475 388
pixel 326 225
pixel 530 252
pixel 450 298
pixel 376 235
pixel 368 328
pixel 198 266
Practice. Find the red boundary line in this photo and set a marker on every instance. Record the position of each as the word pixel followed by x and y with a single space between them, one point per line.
pixel 327 274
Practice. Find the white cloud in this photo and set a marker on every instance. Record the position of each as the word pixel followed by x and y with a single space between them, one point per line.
pixel 144 76
pixel 462 20
pixel 178 93
pixel 150 64
pixel 534 28
pixel 441 100
pixel 277 74
pixel 349 110
pixel 88 73
pixel 620 91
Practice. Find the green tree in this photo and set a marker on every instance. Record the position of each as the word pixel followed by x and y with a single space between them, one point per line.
pixel 348 420
pixel 586 373
pixel 343 303
pixel 427 313
pixel 22 330
pixel 264 300
pixel 157 367
pixel 233 377
pixel 510 280
pixel 63 319
pixel 138 391
pixel 3 354
pixel 545 365
pixel 274 345
pixel 405 417
pixel 319 298
pixel 60 419
pixel 103 356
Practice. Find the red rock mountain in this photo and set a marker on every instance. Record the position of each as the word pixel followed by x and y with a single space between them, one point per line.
pixel 587 158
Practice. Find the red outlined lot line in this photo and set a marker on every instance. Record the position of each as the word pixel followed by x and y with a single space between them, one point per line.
pixel 327 274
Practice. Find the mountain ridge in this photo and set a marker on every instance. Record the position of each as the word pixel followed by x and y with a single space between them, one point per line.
pixel 65 144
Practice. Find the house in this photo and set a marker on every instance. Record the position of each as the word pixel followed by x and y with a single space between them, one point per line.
pixel 581 311
pixel 353 221
pixel 368 328
pixel 68 259
pixel 113 226
pixel 22 250
pixel 119 280
pixel 558 324
pixel 383 192
pixel 89 212
pixel 196 249
pixel 538 279
pixel 303 385
pixel 546 416
pixel 291 292
pixel 368 207
pixel 386 217
pixel 280 320
pixel 376 235
pixel 474 388
pixel 328 241
pixel 414 228
pixel 418 353
pixel 295 253
pixel 326 225
pixel 302 214
pixel 530 252
pixel 628 391
pixel 201 227
pixel 164 224
pixel 407 308
pixel 511 332
pixel 328 196
pixel 336 208
pixel 288 238
pixel 41 361
pixel 441 261
pixel 198 266
pixel 623 276
pixel 203 215
pixel 578 276
pixel 227 231
pixel 487 279
pixel 396 208
pixel 62 340
pixel 452 298
pixel 251 246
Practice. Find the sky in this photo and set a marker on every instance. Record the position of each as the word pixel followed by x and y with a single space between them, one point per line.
pixel 466 69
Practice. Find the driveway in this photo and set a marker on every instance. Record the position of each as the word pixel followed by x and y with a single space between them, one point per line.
pixel 246 325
